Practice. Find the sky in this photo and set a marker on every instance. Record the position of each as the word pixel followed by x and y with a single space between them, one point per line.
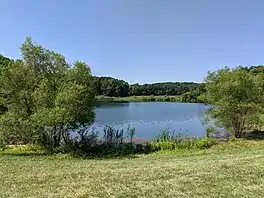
pixel 140 41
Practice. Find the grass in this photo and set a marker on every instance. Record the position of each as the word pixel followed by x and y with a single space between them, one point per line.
pixel 141 99
pixel 232 169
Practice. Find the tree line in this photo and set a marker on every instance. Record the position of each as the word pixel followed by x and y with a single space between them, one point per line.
pixel 112 87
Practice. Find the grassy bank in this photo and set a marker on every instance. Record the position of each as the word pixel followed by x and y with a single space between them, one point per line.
pixel 141 99
pixel 232 169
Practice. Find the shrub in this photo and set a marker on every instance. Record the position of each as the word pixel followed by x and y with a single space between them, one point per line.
pixel 23 150
pixel 233 139
pixel 186 143
pixel 205 143
pixel 167 99
pixel 167 140
pixel 209 131
pixel 166 145
pixel 110 144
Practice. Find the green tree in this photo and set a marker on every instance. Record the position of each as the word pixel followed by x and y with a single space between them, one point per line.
pixel 108 86
pixel 46 98
pixel 4 62
pixel 236 95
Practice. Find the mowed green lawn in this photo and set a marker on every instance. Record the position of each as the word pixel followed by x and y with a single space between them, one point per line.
pixel 227 170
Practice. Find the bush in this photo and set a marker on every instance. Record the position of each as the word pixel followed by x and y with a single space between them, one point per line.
pixel 233 139
pixel 23 150
pixel 186 143
pixel 112 144
pixel 209 131
pixel 166 145
pixel 205 143
pixel 167 140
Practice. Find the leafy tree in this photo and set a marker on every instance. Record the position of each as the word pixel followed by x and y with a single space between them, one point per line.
pixel 4 62
pixel 256 69
pixel 236 95
pixel 108 86
pixel 46 97
pixel 194 96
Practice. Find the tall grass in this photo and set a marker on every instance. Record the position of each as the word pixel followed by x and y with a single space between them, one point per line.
pixel 119 142
pixel 167 140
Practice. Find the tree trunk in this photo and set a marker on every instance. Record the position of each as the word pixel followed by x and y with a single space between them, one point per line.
pixel 237 133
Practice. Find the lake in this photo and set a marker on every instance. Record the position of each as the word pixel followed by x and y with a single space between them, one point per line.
pixel 150 118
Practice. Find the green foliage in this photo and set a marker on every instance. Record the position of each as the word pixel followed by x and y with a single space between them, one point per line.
pixel 256 70
pixel 108 86
pixel 179 98
pixel 4 63
pixel 113 142
pixel 233 139
pixel 28 149
pixel 46 98
pixel 194 143
pixel 166 145
pixel 167 140
pixel 157 89
pixel 195 96
pixel 15 129
pixel 209 131
pixel 203 143
pixel 236 96
pixel 140 99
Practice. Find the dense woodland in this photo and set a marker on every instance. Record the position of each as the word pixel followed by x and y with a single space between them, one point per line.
pixel 189 91
pixel 108 86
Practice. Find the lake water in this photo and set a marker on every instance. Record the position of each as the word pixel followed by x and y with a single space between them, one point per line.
pixel 150 118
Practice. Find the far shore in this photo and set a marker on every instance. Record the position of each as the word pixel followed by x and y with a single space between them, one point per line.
pixel 164 98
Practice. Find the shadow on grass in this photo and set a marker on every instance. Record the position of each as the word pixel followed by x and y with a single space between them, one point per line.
pixel 110 156
pixel 255 135
pixel 39 154
pixel 3 153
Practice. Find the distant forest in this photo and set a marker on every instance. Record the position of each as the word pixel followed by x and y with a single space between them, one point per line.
pixel 190 91
pixel 108 86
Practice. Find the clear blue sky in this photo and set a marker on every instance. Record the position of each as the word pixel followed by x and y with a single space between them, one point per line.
pixel 140 40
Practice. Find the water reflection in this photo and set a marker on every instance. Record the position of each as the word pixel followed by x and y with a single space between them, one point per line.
pixel 149 118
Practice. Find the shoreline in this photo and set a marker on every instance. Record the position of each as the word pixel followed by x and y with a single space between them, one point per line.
pixel 177 98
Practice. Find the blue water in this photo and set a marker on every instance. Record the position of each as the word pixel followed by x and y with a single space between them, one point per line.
pixel 150 118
